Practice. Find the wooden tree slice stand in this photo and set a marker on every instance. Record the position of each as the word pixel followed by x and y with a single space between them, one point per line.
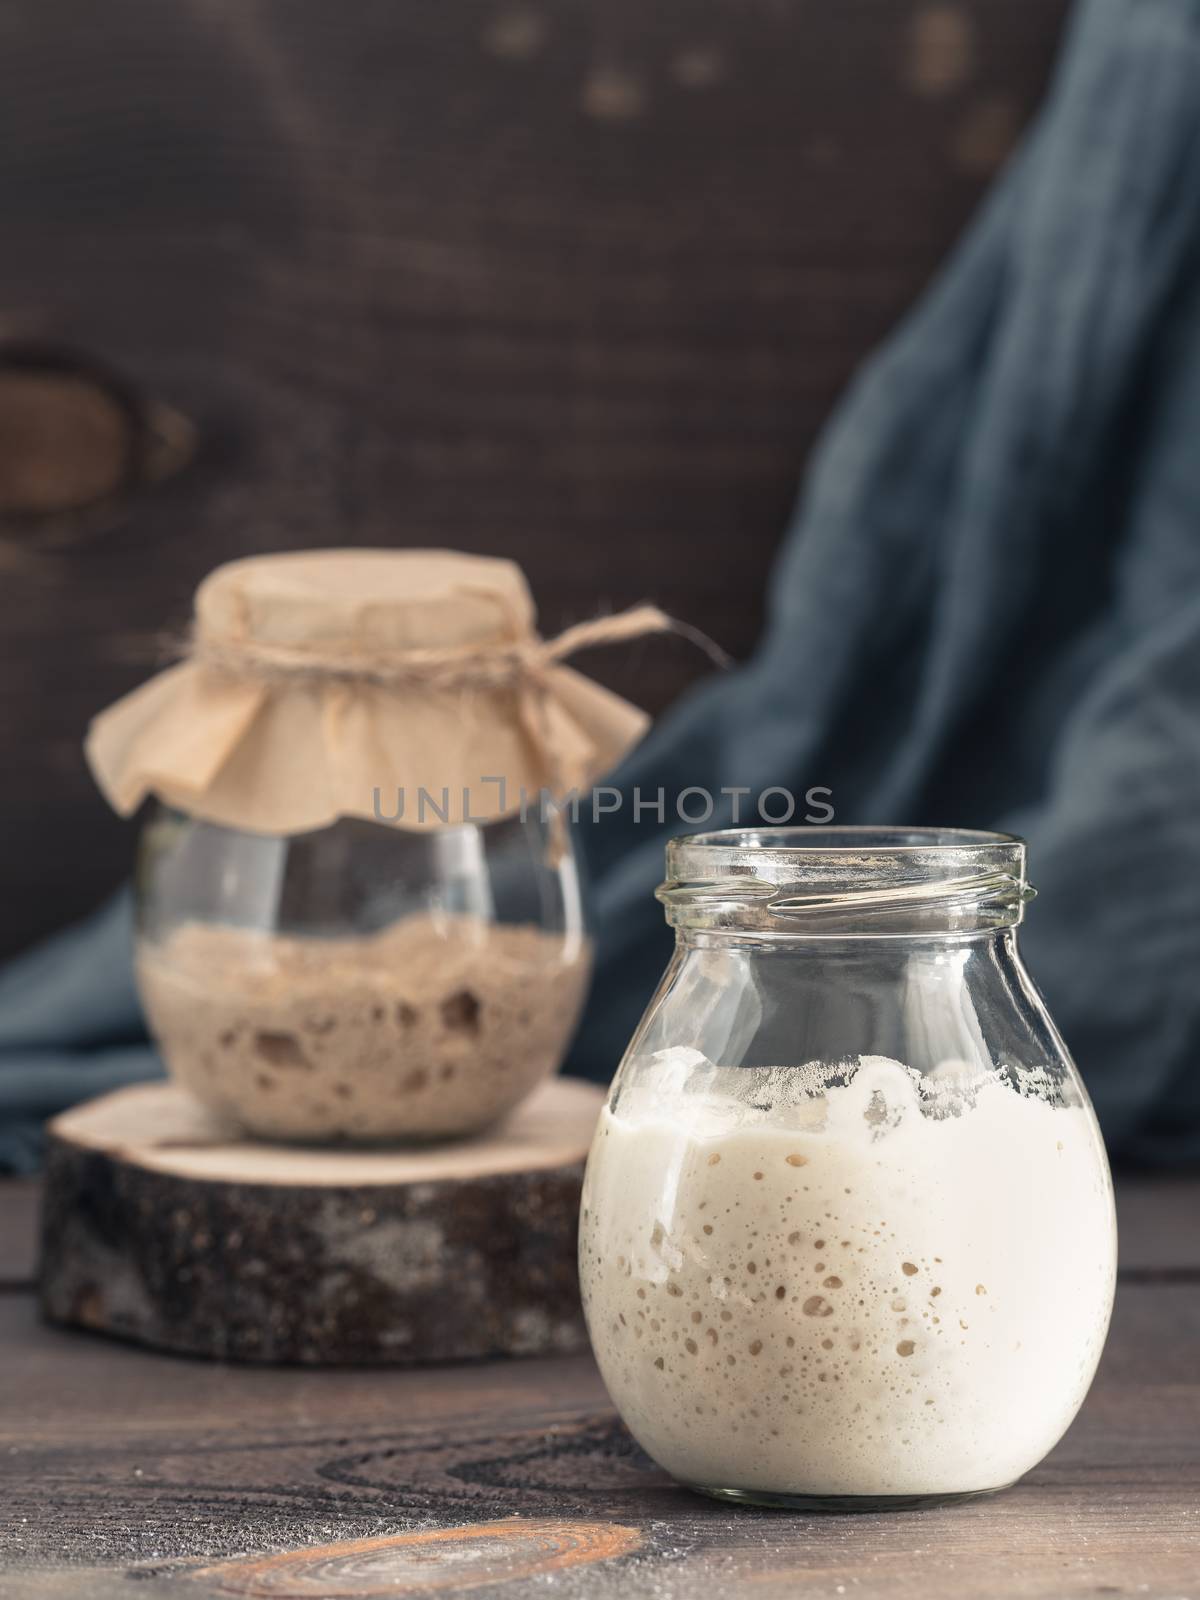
pixel 161 1225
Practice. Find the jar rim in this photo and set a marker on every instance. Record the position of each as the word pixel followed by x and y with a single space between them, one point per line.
pixel 860 838
pixel 857 881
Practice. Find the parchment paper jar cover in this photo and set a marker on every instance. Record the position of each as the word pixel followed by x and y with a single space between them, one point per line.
pixel 312 971
pixel 319 677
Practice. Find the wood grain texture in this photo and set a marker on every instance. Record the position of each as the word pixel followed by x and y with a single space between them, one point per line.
pixel 1158 1227
pixel 159 1226
pixel 127 1473
pixel 485 1555
pixel 20 1203
pixel 76 442
pixel 575 284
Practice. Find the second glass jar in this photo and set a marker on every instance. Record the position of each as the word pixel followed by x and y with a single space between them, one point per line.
pixel 360 983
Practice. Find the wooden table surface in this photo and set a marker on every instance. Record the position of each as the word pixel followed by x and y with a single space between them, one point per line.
pixel 129 1474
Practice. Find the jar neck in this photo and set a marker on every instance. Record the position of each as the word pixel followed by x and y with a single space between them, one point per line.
pixel 785 885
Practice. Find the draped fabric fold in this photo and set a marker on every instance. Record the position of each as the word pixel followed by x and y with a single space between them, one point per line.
pixel 987 609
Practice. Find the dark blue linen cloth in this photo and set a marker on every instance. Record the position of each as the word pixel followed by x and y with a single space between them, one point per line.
pixel 986 612
pixel 70 1027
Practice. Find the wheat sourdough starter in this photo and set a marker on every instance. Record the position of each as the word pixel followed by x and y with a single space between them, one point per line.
pixel 876 1288
pixel 434 1026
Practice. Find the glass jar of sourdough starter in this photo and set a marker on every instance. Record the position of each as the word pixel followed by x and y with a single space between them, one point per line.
pixel 847 1236
pixel 359 914
pixel 360 982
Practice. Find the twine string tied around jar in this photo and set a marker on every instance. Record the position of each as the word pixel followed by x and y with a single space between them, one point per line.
pixel 485 665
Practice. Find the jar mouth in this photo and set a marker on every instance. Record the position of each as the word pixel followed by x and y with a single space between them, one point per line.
pixel 849 881
pixel 859 838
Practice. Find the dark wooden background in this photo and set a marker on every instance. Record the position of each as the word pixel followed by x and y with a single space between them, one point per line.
pixel 575 283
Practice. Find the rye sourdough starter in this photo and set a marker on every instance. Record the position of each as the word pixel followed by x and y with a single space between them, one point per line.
pixel 875 1287
pixel 432 1027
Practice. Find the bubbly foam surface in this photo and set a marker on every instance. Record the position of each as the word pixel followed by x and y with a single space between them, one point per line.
pixel 846 1279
